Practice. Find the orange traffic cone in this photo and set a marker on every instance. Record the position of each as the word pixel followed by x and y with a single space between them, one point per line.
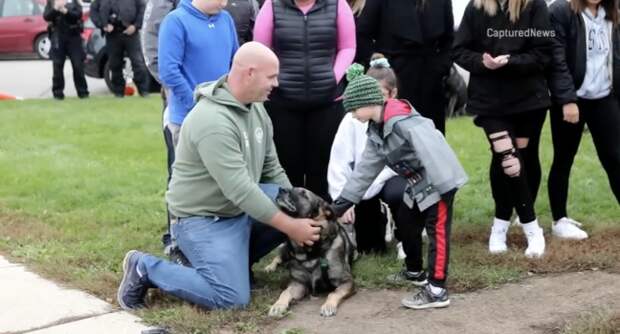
pixel 5 96
pixel 129 90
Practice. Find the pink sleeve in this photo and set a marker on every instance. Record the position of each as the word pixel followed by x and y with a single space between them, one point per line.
pixel 346 39
pixel 263 27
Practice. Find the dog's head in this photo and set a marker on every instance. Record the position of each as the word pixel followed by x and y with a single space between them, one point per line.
pixel 302 203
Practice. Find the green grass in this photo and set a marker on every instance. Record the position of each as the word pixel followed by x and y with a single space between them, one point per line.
pixel 83 182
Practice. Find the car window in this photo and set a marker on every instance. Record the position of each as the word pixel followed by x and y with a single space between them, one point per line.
pixel 17 8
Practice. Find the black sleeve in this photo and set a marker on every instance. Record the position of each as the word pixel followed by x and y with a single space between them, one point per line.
pixel 74 12
pixel 537 57
pixel 95 14
pixel 368 25
pixel 448 38
pixel 463 43
pixel 560 80
pixel 446 41
pixel 140 5
pixel 49 13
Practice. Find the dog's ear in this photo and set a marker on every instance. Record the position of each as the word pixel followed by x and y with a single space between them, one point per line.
pixel 328 211
pixel 286 203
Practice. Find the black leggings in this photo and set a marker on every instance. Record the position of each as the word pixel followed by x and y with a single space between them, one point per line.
pixel 421 82
pixel 370 226
pixel 603 119
pixel 303 137
pixel 515 191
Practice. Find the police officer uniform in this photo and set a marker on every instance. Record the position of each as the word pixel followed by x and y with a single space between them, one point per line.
pixel 65 27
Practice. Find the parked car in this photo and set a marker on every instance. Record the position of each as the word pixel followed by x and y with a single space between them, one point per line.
pixel 97 65
pixel 23 29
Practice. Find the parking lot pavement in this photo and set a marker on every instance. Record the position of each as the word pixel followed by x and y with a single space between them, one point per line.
pixel 32 79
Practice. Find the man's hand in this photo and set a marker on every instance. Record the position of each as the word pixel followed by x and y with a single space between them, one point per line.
pixel 349 216
pixel 571 113
pixel 304 231
pixel 494 63
pixel 130 30
pixel 108 28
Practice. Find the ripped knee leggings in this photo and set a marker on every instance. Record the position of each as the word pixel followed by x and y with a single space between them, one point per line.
pixel 509 140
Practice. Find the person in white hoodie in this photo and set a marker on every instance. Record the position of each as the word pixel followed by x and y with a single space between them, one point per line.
pixel 584 85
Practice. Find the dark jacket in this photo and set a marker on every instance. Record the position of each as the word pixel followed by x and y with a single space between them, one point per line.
pixel 306 46
pixel 244 14
pixel 397 27
pixel 127 12
pixel 70 23
pixel 154 13
pixel 520 85
pixel 569 54
pixel 411 146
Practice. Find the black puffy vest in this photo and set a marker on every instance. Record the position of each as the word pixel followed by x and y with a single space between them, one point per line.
pixel 306 46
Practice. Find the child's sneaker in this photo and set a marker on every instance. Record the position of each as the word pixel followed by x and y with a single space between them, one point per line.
pixel 497 239
pixel 417 278
pixel 567 228
pixel 425 298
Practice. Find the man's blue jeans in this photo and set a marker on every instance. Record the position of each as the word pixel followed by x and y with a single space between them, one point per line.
pixel 220 251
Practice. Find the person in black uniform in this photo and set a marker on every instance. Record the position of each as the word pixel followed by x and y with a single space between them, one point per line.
pixel 65 26
pixel 120 21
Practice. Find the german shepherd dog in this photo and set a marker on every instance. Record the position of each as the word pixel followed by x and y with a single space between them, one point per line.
pixel 324 266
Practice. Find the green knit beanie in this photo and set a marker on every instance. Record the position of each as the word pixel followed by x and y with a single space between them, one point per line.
pixel 362 90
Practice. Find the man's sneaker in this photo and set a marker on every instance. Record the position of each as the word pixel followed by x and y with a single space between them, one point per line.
pixel 417 278
pixel 133 287
pixel 567 228
pixel 426 299
pixel 535 239
pixel 497 239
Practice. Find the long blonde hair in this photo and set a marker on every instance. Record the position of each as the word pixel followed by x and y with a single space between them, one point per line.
pixel 357 6
pixel 515 7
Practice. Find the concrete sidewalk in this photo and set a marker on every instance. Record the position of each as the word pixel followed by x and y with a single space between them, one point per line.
pixel 31 304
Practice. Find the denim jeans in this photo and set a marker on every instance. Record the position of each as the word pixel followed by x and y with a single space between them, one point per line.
pixel 220 251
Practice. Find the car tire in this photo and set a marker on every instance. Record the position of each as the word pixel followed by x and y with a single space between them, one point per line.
pixel 107 75
pixel 42 46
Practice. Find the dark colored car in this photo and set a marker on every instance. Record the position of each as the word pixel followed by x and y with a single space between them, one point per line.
pixel 97 65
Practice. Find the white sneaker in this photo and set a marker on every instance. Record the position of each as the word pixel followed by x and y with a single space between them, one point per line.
pixel 567 228
pixel 497 240
pixel 535 239
pixel 401 252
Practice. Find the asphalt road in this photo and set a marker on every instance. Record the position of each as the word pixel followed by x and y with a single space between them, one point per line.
pixel 32 79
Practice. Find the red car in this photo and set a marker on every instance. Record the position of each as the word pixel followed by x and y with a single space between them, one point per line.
pixel 23 29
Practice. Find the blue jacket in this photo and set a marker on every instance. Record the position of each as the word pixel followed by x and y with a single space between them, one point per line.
pixel 193 48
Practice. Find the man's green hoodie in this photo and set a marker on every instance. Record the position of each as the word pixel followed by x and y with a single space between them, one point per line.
pixel 225 150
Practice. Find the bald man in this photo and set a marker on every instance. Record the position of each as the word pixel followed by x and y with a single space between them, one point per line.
pixel 224 180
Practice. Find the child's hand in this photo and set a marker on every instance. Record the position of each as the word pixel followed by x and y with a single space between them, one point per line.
pixel 348 217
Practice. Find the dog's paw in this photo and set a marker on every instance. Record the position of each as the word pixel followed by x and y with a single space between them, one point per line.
pixel 270 267
pixel 278 310
pixel 328 310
